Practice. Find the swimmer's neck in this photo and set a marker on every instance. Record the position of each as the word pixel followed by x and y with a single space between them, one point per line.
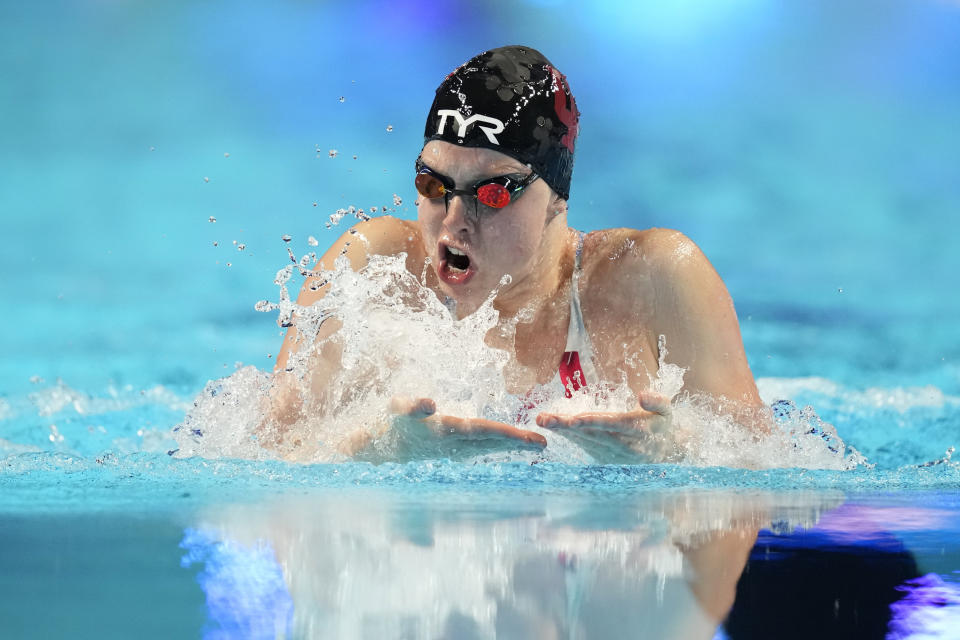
pixel 546 282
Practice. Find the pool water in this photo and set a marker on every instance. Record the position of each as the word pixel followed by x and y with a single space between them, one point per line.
pixel 153 160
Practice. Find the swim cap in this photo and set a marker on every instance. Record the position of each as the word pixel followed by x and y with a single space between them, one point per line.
pixel 511 100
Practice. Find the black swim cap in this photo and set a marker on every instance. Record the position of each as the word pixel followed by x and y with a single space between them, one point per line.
pixel 511 100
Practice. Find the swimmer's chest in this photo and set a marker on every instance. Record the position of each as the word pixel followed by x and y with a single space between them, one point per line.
pixel 537 354
pixel 619 350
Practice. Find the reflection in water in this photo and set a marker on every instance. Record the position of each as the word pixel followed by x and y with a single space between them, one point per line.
pixel 373 564
pixel 930 608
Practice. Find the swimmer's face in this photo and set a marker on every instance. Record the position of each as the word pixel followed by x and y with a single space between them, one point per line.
pixel 494 242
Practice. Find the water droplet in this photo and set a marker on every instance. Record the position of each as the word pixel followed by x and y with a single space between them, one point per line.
pixel 397 200
pixel 389 128
pixel 354 156
pixel 373 209
pixel 314 204
pixel 226 155
pixel 36 380
pixel 286 238
pixel 211 219
pixel 206 179
pixel 283 275
pixel 332 153
pixel 337 215
pixel 153 148
pixel 839 289
pixel 343 99
pixel 234 243
pixel 216 244
pixel 229 264
pixel 241 247
pixel 312 241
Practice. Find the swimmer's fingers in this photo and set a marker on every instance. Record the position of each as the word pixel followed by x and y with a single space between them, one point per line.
pixel 417 408
pixel 629 422
pixel 480 429
pixel 655 403
pixel 425 411
pixel 653 415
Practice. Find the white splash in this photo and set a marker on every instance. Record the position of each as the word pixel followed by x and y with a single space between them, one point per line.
pixel 900 399
pixel 398 339
pixel 61 397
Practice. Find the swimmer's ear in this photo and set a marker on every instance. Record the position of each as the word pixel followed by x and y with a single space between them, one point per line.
pixel 557 205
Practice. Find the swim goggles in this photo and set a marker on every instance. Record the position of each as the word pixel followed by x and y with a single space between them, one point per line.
pixel 495 193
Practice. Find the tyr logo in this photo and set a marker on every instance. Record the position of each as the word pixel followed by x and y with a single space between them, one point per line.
pixel 493 125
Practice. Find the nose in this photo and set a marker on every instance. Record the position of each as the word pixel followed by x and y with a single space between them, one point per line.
pixel 460 214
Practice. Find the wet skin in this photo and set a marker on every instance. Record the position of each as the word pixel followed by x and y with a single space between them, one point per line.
pixel 635 286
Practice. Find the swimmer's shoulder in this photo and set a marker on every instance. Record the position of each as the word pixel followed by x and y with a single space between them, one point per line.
pixel 618 252
pixel 381 236
pixel 629 266
pixel 387 235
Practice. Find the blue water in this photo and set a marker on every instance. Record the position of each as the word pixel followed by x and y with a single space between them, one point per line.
pixel 811 150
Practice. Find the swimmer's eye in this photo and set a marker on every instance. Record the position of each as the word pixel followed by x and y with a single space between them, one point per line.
pixel 429 185
pixel 494 193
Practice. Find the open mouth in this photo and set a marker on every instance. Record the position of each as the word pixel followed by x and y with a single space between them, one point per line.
pixel 456 259
pixel 455 265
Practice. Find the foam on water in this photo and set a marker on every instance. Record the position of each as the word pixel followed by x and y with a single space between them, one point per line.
pixel 397 339
pixel 900 399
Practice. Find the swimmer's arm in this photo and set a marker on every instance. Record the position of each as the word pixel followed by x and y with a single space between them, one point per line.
pixel 671 288
pixel 716 564
pixel 693 310
pixel 380 236
pixel 415 422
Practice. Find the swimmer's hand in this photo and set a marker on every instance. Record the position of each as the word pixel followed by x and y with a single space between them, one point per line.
pixel 644 434
pixel 417 431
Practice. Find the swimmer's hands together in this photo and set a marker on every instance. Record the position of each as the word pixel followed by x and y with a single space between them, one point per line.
pixel 417 431
pixel 653 416
pixel 620 436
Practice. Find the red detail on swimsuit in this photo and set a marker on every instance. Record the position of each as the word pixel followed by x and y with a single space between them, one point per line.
pixel 571 373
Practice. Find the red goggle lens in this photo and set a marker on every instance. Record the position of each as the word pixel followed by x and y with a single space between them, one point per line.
pixel 493 195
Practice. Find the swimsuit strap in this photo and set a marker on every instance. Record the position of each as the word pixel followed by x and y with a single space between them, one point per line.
pixel 576 366
pixel 576 331
pixel 579 253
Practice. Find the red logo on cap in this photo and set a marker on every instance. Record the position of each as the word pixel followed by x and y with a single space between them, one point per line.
pixel 565 107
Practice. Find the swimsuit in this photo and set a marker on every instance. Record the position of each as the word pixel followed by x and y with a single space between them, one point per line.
pixel 576 365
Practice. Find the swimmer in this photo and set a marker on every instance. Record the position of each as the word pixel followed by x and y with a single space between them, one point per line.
pixel 493 179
